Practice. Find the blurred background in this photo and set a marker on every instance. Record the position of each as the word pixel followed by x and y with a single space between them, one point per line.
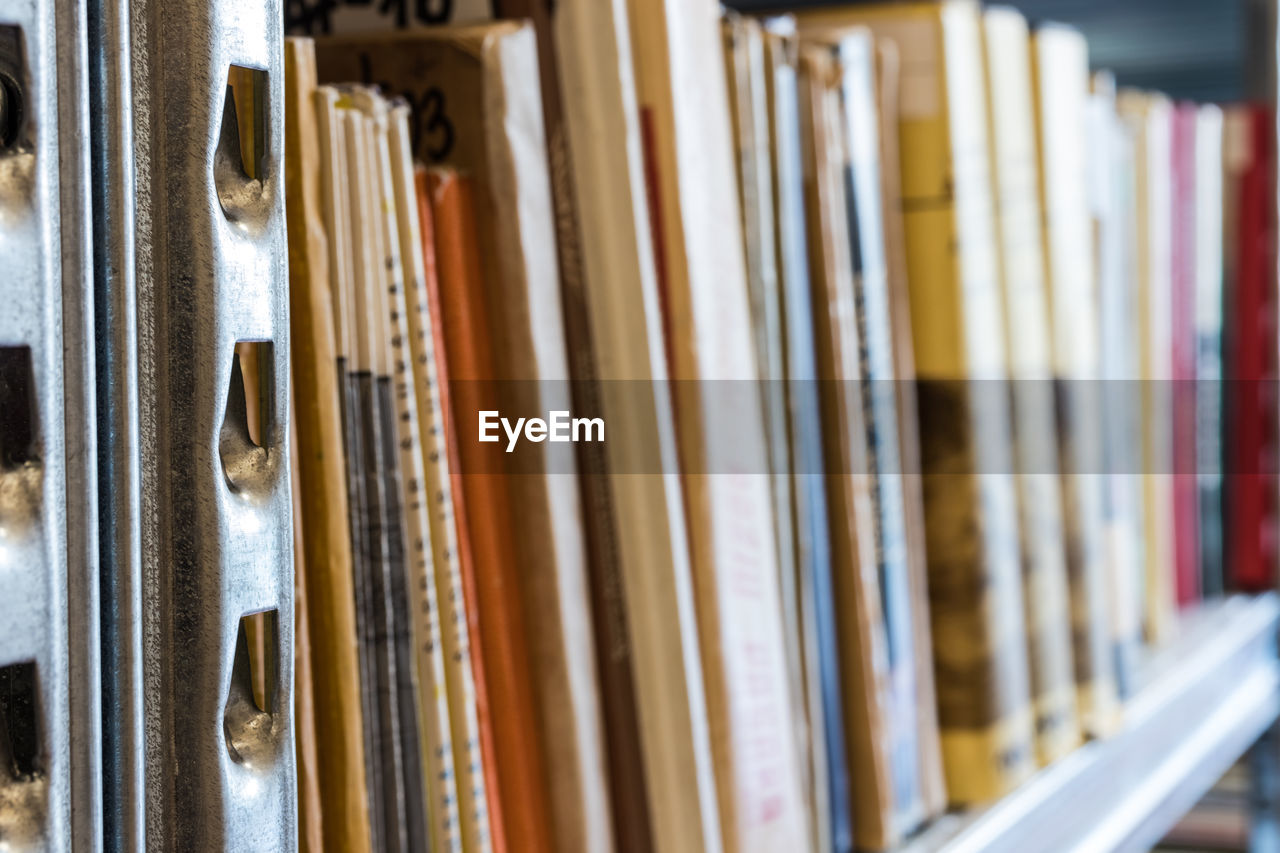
pixel 1199 50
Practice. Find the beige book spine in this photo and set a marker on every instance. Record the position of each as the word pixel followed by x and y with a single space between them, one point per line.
pixel 743 40
pixel 435 740
pixel 473 813
pixel 323 495
pixel 1150 117
pixel 1018 213
pixel 531 346
pixel 604 134
pixel 729 514
pixel 1060 75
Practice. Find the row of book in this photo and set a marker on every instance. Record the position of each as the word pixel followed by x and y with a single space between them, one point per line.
pixel 923 245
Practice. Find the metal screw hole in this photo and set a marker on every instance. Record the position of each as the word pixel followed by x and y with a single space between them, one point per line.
pixel 10 112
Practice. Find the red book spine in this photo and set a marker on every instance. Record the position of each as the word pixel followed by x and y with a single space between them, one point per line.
pixel 1186 514
pixel 1252 432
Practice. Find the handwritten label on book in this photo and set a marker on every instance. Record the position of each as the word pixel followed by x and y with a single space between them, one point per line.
pixel 327 17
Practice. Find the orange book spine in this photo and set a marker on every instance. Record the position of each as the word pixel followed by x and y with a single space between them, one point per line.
pixel 517 804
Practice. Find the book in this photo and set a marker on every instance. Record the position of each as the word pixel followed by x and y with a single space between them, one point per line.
pixel 864 467
pixel 1016 171
pixel 832 288
pixel 641 592
pixel 828 783
pixel 310 808
pixel 326 548
pixel 1210 445
pixel 1149 118
pixel 1060 75
pixel 488 508
pixel 728 502
pixel 889 75
pixel 417 254
pixel 1252 534
pixel 446 199
pixel 1186 516
pixel 500 140
pixel 423 699
pixel 975 586
pixel 916 761
pixel 381 537
pixel 745 72
pixel 339 197
pixel 1113 211
pixel 571 56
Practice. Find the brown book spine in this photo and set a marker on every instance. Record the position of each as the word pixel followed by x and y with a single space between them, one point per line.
pixel 310 808
pixel 503 694
pixel 339 719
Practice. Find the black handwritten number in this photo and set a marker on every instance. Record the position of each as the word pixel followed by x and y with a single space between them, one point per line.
pixel 398 8
pixel 315 17
pixel 432 131
pixel 437 137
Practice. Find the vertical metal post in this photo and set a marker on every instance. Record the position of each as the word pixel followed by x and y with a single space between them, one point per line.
pixel 49 784
pixel 115 316
pixel 215 514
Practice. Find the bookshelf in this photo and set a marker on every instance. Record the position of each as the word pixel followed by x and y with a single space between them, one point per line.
pixel 1203 701
pixel 198 650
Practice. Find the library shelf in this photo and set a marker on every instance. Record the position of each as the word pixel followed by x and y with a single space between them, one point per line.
pixel 1199 705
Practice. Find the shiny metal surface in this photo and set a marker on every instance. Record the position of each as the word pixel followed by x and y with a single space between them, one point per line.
pixel 84 665
pixel 215 515
pixel 49 794
pixel 1201 704
pixel 115 315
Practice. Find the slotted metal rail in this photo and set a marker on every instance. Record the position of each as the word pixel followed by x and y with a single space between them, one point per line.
pixel 1203 702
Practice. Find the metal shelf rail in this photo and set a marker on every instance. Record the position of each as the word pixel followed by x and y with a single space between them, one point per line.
pixel 216 521
pixel 1202 703
pixel 49 730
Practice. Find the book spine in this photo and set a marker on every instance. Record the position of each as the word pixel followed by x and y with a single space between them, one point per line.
pixel 829 771
pixel 1251 544
pixel 447 690
pixel 971 536
pixel 1209 346
pixel 975 585
pixel 401 639
pixel 1061 79
pixel 375 541
pixel 368 469
pixel 1114 216
pixel 326 437
pixel 444 202
pixel 976 598
pixel 516 748
pixel 743 41
pixel 1186 547
pixel 890 74
pixel 1042 550
pixel 876 375
pixel 353 445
